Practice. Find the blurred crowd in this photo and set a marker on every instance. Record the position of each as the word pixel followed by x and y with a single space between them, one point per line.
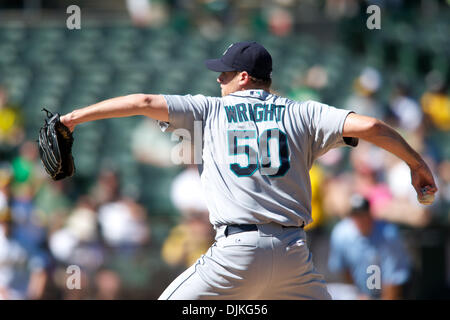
pixel 365 210
pixel 383 183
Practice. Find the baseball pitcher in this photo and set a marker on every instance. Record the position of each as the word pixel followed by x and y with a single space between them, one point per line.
pixel 257 150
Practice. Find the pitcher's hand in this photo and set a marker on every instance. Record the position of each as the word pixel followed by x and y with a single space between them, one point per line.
pixel 66 120
pixel 423 182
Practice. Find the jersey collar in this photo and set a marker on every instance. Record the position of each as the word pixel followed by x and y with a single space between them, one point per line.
pixel 251 93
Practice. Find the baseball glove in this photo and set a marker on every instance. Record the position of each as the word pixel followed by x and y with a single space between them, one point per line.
pixel 55 147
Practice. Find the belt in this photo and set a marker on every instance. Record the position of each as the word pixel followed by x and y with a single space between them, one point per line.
pixel 237 228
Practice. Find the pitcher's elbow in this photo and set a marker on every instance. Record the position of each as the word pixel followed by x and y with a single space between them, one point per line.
pixel 374 127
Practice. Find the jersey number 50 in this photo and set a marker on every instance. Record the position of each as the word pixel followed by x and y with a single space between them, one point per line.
pixel 269 152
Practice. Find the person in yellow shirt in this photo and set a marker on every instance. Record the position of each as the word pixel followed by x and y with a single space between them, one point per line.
pixel 187 241
pixel 11 129
pixel 436 104
pixel 316 176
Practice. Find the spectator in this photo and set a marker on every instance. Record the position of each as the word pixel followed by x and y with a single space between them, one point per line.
pixel 194 234
pixel 317 176
pixel 367 161
pixel 22 275
pixel 123 222
pixel 436 102
pixel 407 112
pixel 147 12
pixel 359 242
pixel 11 126
pixel 187 193
pixel 317 234
pixel 78 241
pixel 106 189
pixel 280 21
pixel 363 101
pixel 187 241
pixel 310 85
pixel 5 184
pixel 29 228
pixel 158 152
pixel 69 292
pixel 108 285
pixel 52 204
pixel 26 165
pixel 336 192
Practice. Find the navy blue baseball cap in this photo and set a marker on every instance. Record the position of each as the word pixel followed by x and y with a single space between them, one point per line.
pixel 244 56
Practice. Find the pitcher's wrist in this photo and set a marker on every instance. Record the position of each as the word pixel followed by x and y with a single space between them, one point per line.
pixel 416 164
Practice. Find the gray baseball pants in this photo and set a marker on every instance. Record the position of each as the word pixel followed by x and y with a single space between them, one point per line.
pixel 269 264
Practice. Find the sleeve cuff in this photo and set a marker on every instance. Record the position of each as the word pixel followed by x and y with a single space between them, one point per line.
pixel 351 141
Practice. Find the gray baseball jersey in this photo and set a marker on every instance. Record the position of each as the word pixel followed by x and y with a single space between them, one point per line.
pixel 257 150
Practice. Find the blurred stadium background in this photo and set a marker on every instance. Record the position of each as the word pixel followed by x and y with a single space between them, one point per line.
pixel 130 218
